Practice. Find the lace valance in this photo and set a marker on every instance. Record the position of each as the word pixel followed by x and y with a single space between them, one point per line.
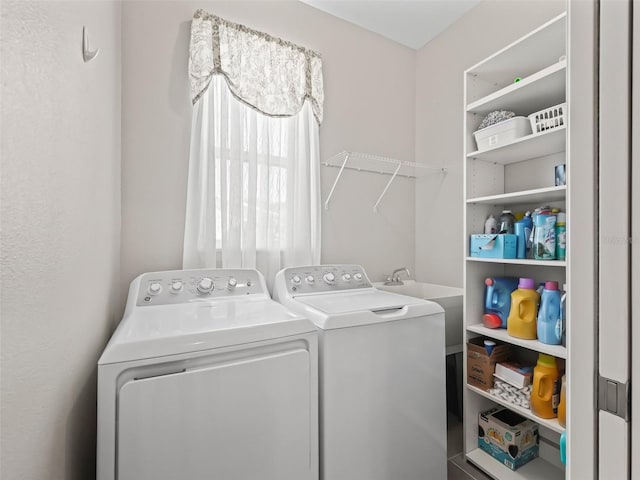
pixel 269 74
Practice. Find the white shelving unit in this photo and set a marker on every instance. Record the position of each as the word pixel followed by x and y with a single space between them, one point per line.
pixel 551 424
pixel 531 146
pixel 536 195
pixel 516 175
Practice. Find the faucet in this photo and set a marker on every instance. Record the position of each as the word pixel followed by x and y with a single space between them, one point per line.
pixel 394 278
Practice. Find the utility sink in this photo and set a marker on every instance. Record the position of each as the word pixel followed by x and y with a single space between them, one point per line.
pixel 449 298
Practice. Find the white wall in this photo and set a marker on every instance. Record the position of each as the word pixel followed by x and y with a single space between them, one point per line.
pixel 60 231
pixel 440 64
pixel 369 107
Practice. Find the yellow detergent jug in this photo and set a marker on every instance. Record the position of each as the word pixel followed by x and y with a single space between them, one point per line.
pixel 562 406
pixel 545 376
pixel 521 322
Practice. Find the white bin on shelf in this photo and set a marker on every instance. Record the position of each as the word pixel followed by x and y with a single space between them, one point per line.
pixel 549 118
pixel 501 133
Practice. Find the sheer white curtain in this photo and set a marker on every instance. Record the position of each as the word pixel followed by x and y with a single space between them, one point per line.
pixel 253 196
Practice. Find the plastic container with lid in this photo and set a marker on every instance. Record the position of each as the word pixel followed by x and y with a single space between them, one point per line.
pixel 545 375
pixel 521 322
pixel 561 236
pixel 549 324
pixel 497 301
pixel 491 225
pixel 544 237
pixel 505 224
pixel 562 406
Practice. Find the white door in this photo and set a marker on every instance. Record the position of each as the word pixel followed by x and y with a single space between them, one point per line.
pixel 635 244
pixel 247 419
pixel 613 240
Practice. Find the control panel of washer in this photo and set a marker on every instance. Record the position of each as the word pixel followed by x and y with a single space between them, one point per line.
pixel 325 278
pixel 181 286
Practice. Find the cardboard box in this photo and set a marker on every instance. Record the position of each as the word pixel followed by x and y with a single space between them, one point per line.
pixel 508 437
pixel 501 245
pixel 514 374
pixel 481 366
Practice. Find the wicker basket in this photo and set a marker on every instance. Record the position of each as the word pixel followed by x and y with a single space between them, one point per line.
pixel 548 119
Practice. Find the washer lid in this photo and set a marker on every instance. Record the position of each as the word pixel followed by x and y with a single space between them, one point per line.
pixel 356 301
pixel 156 331
pixel 364 307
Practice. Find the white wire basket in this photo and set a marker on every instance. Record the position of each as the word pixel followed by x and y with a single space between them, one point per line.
pixel 549 118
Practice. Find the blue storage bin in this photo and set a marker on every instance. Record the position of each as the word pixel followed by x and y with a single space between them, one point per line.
pixel 501 245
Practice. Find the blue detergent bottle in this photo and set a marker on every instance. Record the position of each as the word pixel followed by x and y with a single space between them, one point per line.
pixel 497 301
pixel 549 324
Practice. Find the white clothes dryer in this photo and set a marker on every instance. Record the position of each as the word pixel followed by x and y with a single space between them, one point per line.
pixel 382 375
pixel 207 377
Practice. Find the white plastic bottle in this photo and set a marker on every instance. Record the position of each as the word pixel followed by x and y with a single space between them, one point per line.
pixel 491 225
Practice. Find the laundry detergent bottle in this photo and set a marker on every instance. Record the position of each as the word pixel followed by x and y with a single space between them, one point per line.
pixel 497 301
pixel 521 322
pixel 549 325
pixel 545 376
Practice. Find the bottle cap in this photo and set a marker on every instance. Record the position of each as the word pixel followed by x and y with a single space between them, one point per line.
pixel 488 346
pixel 491 320
pixel 527 283
pixel 546 361
pixel 488 282
pixel 551 285
pixel 506 211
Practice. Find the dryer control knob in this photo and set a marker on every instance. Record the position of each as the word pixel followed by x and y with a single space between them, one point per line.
pixel 346 277
pixel 296 280
pixel 205 285
pixel 358 276
pixel 309 279
pixel 176 287
pixel 329 277
pixel 155 288
pixel 231 283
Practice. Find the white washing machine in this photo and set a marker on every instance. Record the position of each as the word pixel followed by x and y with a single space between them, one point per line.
pixel 382 375
pixel 207 377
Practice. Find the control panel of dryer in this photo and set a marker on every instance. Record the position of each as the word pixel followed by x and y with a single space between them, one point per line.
pixel 325 278
pixel 180 286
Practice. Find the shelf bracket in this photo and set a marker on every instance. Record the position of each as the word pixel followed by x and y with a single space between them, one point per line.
pixel 375 207
pixel 335 182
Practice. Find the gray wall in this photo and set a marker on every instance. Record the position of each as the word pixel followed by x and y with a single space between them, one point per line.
pixel 60 231
pixel 440 64
pixel 369 107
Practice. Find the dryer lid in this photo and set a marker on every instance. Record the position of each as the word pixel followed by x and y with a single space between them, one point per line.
pixel 156 331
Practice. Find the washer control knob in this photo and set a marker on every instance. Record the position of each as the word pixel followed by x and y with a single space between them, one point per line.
pixel 205 285
pixel 310 280
pixel 176 287
pixel 296 280
pixel 346 277
pixel 155 288
pixel 329 277
pixel 358 276
pixel 231 283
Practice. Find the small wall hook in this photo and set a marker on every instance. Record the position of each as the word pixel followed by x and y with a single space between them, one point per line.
pixel 87 54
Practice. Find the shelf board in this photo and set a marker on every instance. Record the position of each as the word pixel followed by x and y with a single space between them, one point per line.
pixel 520 261
pixel 547 194
pixel 365 162
pixel 525 148
pixel 525 412
pixel 535 92
pixel 501 334
pixel 537 469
